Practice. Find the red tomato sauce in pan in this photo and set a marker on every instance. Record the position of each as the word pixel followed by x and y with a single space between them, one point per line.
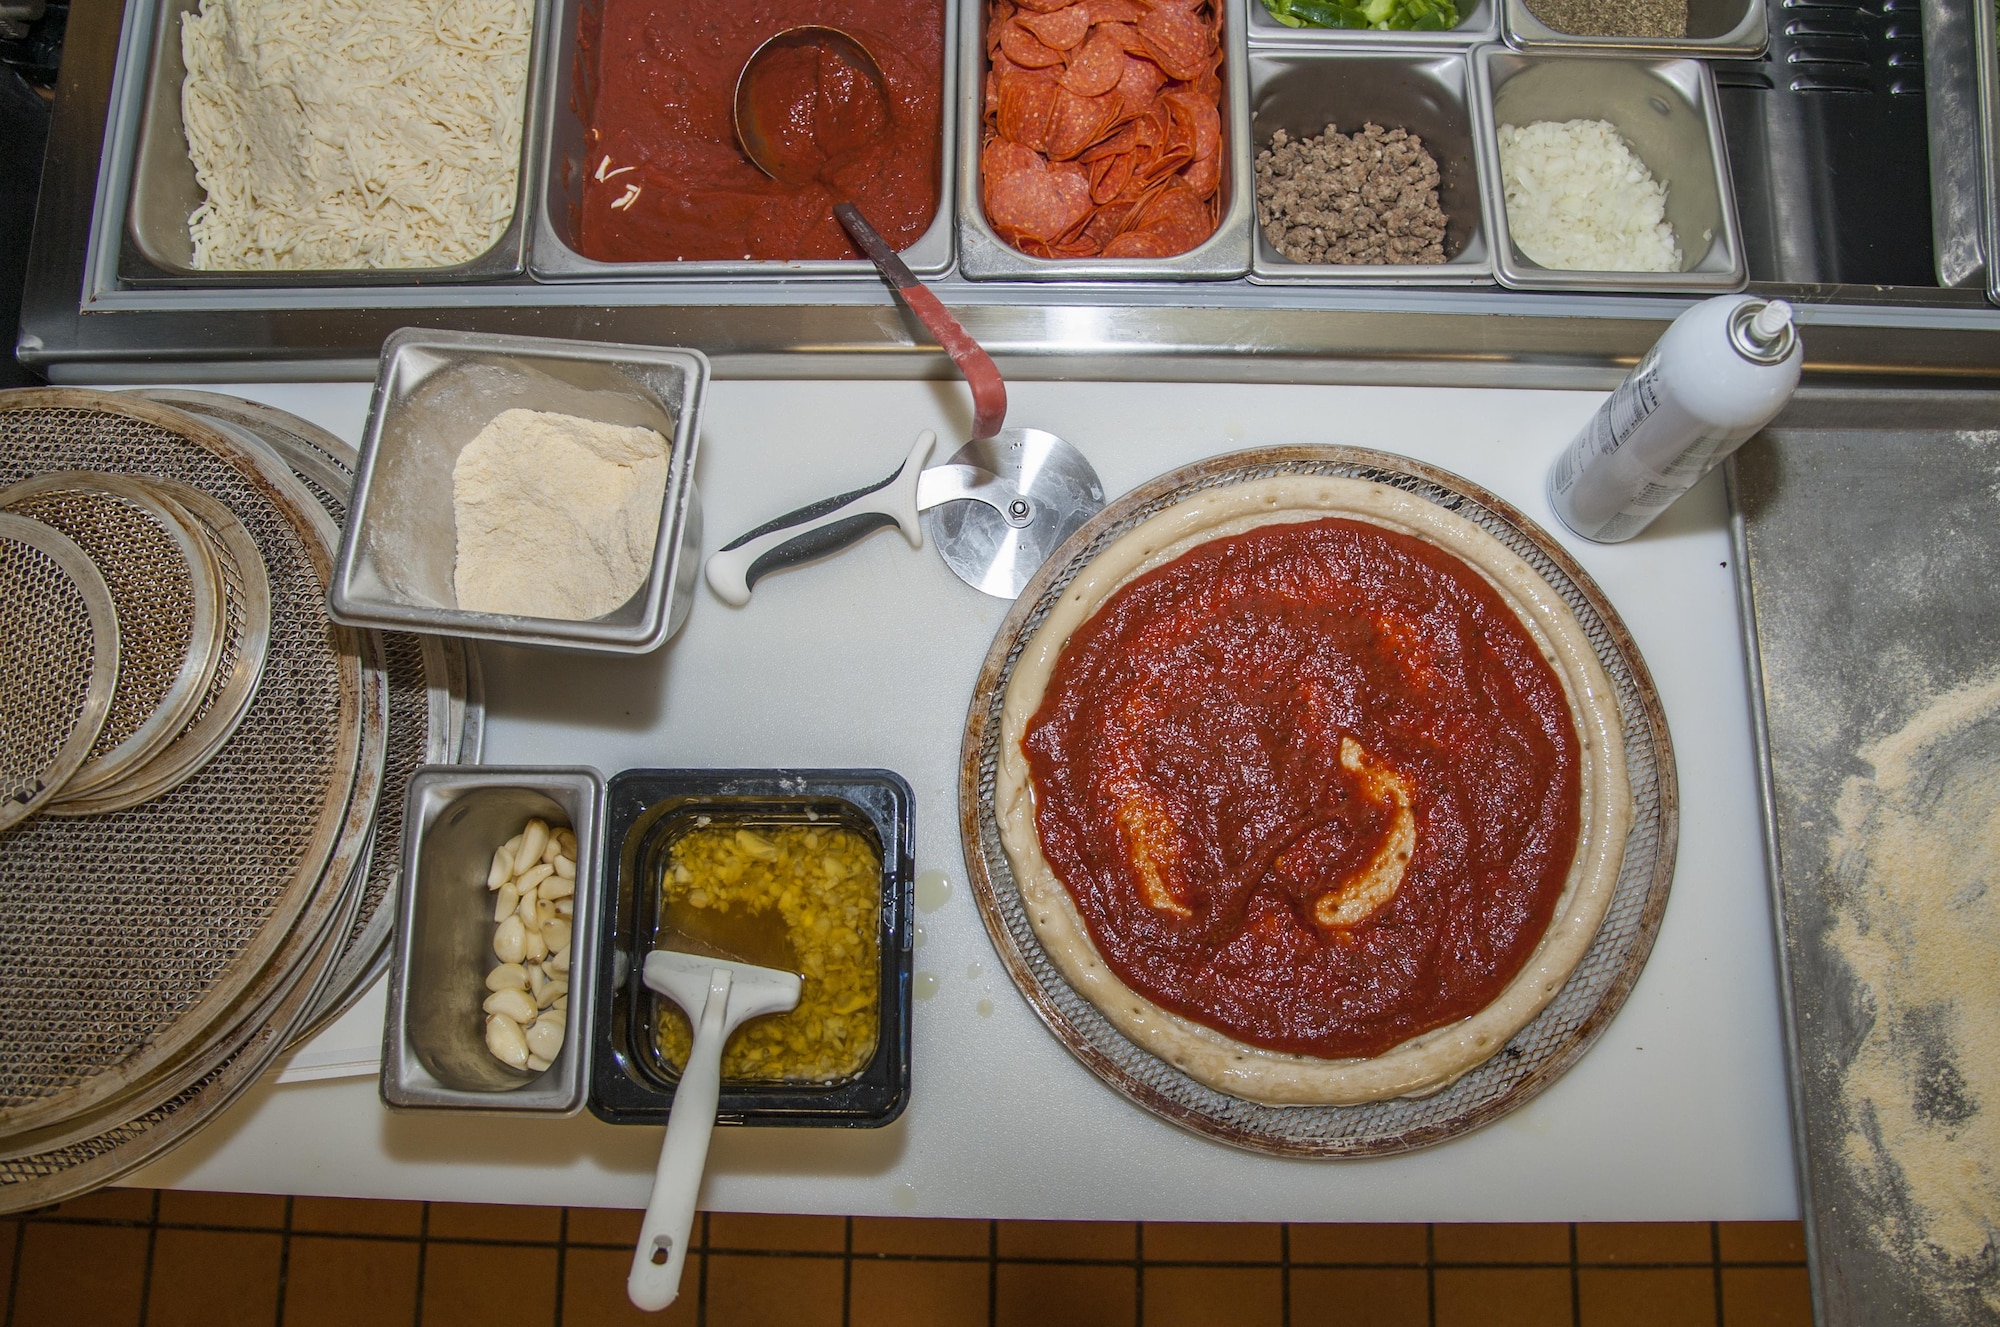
pixel 664 178
pixel 1314 786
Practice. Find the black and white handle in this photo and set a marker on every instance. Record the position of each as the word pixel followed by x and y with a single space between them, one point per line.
pixel 822 528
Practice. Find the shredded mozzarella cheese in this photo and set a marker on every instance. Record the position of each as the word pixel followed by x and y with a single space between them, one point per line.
pixel 350 134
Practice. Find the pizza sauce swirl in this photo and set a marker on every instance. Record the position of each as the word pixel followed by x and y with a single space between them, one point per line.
pixel 1313 786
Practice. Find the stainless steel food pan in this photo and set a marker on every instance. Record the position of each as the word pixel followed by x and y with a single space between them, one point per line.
pixel 1428 93
pixel 1478 21
pixel 434 393
pixel 1986 58
pixel 1224 256
pixel 552 254
pixel 1715 28
pixel 158 249
pixel 434 1040
pixel 1666 110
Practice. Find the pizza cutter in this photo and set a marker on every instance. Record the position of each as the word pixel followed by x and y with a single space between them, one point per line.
pixel 995 510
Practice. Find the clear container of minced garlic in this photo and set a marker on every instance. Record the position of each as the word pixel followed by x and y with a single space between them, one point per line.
pixel 825 882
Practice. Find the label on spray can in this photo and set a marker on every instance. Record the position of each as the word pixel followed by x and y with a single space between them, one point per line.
pixel 1615 421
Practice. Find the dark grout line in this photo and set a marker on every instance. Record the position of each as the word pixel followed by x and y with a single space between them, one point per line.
pixel 992 1274
pixel 1139 1274
pixel 14 1273
pixel 1575 1287
pixel 701 1299
pixel 1430 1274
pixel 1285 1274
pixel 1715 1253
pixel 562 1261
pixel 847 1272
pixel 146 1276
pixel 284 1262
pixel 423 1252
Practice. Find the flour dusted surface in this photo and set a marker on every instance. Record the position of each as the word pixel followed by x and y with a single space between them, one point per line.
pixel 351 134
pixel 1917 853
pixel 557 516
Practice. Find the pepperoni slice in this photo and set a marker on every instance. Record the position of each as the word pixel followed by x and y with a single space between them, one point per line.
pixel 1113 11
pixel 1026 99
pixel 1063 29
pixel 1109 177
pixel 1024 48
pixel 1077 123
pixel 1139 83
pixel 1180 42
pixel 1027 197
pixel 1096 66
pixel 1174 217
pixel 1118 144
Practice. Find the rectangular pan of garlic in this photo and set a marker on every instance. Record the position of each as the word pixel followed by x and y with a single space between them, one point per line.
pixel 496 939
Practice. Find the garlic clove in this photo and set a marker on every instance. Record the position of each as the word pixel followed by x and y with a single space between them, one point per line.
pixel 533 839
pixel 515 1004
pixel 510 942
pixel 555 934
pixel 566 867
pixel 505 902
pixel 507 1041
pixel 533 877
pixel 502 869
pixel 507 977
pixel 533 947
pixel 561 1001
pixel 537 1063
pixel 557 886
pixel 545 1039
pixel 525 910
pixel 552 850
pixel 565 907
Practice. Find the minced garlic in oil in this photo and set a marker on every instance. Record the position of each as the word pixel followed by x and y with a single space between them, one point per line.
pixel 826 882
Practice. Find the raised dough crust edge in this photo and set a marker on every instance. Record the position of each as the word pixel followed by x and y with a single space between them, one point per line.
pixel 1425 1063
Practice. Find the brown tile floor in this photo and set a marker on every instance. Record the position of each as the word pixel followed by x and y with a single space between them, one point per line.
pixel 135 1258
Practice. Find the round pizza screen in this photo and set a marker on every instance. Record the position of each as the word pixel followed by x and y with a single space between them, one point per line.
pixel 1314 786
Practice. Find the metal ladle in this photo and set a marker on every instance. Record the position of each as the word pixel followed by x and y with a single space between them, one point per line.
pixel 794 155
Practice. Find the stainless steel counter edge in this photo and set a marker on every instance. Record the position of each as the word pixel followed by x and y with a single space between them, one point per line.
pixel 1471 338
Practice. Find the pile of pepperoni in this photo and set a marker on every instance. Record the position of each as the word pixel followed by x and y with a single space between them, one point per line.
pixel 1103 126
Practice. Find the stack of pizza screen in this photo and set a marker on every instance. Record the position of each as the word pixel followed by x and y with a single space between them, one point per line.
pixel 1313 788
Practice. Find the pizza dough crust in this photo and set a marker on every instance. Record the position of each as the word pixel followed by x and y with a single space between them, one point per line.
pixel 1425 1063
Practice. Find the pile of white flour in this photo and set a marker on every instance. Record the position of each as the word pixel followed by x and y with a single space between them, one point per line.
pixel 557 516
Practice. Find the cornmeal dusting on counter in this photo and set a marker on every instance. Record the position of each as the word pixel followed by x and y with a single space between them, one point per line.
pixel 826 882
pixel 1917 857
pixel 557 516
pixel 343 134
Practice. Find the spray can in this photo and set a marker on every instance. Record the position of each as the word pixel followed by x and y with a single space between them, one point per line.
pixel 1716 376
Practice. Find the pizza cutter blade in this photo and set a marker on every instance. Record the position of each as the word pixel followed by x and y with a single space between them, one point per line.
pixel 999 553
pixel 996 511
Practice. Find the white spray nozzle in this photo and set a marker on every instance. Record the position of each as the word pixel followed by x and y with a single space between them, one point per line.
pixel 1770 321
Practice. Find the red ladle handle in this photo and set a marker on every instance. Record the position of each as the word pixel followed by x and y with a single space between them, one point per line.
pixel 989 392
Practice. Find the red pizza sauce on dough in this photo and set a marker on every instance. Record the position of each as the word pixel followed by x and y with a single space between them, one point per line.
pixel 1314 786
pixel 663 177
